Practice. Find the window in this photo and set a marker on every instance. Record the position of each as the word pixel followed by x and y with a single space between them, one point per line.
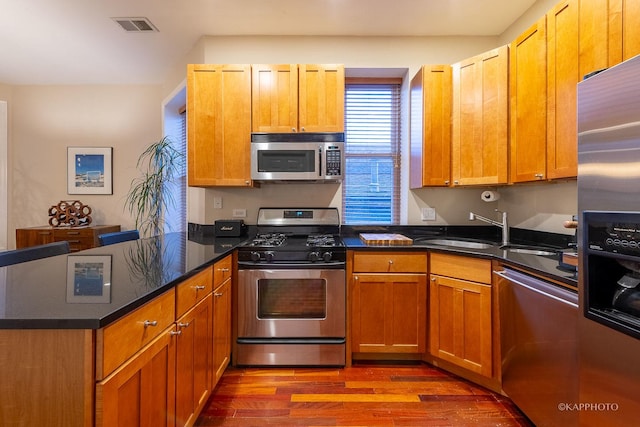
pixel 371 190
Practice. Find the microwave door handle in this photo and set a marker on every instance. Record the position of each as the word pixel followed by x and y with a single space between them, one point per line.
pixel 320 162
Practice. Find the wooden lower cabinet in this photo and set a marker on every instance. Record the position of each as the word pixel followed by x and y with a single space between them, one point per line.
pixel 142 391
pixel 389 302
pixel 193 362
pixel 221 329
pixel 460 312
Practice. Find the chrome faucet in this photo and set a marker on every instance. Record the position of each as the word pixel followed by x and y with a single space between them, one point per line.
pixel 504 225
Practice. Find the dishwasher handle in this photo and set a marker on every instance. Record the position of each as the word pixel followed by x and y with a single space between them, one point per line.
pixel 539 287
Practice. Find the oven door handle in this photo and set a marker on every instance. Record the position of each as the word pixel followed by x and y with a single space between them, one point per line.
pixel 282 266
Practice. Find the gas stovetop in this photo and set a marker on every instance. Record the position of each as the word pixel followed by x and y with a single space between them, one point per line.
pixel 309 235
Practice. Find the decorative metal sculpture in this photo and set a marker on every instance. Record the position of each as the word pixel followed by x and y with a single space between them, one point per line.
pixel 69 213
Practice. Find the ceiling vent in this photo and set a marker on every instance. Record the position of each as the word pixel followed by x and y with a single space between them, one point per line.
pixel 136 25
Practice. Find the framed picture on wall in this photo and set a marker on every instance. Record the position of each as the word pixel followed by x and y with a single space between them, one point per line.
pixel 89 170
pixel 89 279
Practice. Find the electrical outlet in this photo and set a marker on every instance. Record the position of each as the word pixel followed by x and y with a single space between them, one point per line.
pixel 428 214
pixel 239 213
pixel 217 202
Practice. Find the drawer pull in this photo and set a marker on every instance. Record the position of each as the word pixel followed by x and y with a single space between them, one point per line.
pixel 218 294
pixel 150 323
pixel 224 270
pixel 175 333
pixel 183 325
pixel 200 287
pixel 390 261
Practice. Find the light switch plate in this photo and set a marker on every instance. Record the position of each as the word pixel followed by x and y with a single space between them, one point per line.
pixel 239 213
pixel 217 202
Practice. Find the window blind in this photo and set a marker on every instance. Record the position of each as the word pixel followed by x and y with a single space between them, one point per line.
pixel 371 190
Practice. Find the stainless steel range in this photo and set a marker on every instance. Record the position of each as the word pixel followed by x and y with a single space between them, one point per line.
pixel 291 305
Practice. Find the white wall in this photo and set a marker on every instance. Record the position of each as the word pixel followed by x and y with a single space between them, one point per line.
pixel 45 120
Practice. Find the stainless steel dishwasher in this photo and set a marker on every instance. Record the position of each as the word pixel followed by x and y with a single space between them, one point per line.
pixel 538 324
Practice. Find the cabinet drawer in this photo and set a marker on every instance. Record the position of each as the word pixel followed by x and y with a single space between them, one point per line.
pixel 390 262
pixel 192 290
pixel 461 267
pixel 222 271
pixel 122 339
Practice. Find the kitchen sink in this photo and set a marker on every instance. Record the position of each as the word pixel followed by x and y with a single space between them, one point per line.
pixel 458 243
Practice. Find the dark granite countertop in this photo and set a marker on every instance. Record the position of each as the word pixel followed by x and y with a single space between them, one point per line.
pixel 545 266
pixel 64 292
pixel 67 291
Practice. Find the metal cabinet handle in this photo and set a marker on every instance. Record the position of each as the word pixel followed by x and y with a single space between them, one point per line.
pixel 183 325
pixel 218 294
pixel 150 323
pixel 175 333
pixel 390 261
pixel 539 175
pixel 200 287
pixel 224 270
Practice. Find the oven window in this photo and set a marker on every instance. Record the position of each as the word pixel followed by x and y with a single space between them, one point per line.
pixel 292 299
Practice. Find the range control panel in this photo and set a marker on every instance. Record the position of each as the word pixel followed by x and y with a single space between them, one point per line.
pixel 615 232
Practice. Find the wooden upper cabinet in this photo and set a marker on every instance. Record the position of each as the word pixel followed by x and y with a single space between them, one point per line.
pixel 577 44
pixel 624 37
pixel 298 98
pixel 274 104
pixel 528 104
pixel 430 133
pixel 219 125
pixel 321 98
pixel 479 147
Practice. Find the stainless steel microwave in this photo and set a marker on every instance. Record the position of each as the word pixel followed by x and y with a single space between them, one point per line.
pixel 309 157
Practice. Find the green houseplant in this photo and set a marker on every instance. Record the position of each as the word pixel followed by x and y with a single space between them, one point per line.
pixel 161 165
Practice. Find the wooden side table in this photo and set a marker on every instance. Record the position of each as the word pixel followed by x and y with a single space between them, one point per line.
pixel 79 238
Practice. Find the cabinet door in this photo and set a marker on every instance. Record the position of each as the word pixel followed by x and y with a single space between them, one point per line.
pixel 321 98
pixel 630 35
pixel 26 237
pixel 430 138
pixel 219 125
pixel 221 329
pixel 577 44
pixel 274 100
pixel 480 119
pixel 142 391
pixel 528 95
pixel 389 313
pixel 193 362
pixel 460 323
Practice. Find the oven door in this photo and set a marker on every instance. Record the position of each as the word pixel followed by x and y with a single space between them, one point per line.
pixel 291 304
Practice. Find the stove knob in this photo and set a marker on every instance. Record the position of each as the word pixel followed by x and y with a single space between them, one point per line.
pixel 327 256
pixel 268 256
pixel 314 256
pixel 255 256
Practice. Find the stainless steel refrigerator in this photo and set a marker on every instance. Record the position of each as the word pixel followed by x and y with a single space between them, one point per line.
pixel 609 247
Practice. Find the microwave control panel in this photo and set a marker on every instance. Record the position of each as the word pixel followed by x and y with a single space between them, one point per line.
pixel 333 160
pixel 614 232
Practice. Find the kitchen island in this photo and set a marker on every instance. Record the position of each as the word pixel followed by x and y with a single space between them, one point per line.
pixel 54 311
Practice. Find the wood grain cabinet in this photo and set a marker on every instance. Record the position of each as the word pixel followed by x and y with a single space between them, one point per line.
pixel 194 367
pixel 79 238
pixel 221 316
pixel 528 104
pixel 479 144
pixel 298 98
pixel 430 137
pixel 219 125
pixel 135 367
pixel 460 312
pixel 389 302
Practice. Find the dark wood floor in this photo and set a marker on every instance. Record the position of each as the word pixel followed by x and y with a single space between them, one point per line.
pixel 362 395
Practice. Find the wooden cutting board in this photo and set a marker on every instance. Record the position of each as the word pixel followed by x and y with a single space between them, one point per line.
pixel 388 239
